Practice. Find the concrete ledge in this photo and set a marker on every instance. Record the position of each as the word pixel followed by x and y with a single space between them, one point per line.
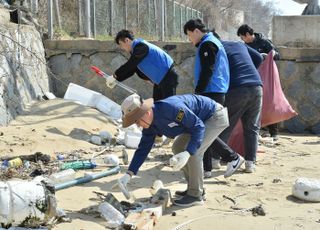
pixel 296 31
pixel 299 54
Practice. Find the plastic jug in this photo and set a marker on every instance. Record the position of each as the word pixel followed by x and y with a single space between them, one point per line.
pixel 63 176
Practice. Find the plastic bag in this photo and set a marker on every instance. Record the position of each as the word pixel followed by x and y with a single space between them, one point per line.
pixel 275 106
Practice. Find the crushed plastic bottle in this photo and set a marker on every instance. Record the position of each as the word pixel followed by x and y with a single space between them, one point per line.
pixel 112 215
pixel 63 176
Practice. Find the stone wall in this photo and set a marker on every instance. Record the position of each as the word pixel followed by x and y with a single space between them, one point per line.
pixel 23 76
pixel 298 40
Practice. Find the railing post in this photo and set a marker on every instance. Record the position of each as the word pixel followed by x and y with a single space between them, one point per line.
pixel 50 22
pixel 162 20
pixel 111 18
pixel 94 29
pixel 87 30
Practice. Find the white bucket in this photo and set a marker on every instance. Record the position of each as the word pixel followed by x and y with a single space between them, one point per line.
pixel 82 95
pixel 109 107
pixel 21 201
pixel 307 189
pixel 132 139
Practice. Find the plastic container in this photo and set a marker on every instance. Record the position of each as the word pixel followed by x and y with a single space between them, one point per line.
pixel 112 215
pixel 84 164
pixel 111 160
pixel 307 189
pixel 24 200
pixel 132 139
pixel 16 162
pixel 109 107
pixel 82 95
pixel 63 176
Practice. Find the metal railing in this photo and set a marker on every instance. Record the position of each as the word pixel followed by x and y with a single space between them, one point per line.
pixel 153 19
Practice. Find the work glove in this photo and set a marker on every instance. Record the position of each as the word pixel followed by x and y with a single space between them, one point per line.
pixel 179 160
pixel 110 81
pixel 122 183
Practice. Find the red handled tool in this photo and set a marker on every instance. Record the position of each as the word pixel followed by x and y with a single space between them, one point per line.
pixel 104 75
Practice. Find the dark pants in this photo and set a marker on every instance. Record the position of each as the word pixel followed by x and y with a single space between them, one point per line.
pixel 227 152
pixel 167 86
pixel 273 129
pixel 244 103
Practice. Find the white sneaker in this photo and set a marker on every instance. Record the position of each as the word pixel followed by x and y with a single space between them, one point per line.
pixel 215 164
pixel 207 174
pixel 232 166
pixel 250 167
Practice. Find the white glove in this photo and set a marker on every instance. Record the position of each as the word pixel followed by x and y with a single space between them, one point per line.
pixel 122 183
pixel 110 81
pixel 179 160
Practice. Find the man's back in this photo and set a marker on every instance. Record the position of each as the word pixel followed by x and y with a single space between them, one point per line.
pixel 243 64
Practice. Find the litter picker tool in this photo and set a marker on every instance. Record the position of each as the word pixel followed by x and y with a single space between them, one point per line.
pixel 104 75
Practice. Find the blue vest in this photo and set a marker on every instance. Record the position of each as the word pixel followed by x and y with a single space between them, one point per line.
pixel 219 82
pixel 156 64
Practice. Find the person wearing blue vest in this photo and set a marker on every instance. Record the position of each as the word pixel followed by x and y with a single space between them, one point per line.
pixel 211 79
pixel 195 120
pixel 149 62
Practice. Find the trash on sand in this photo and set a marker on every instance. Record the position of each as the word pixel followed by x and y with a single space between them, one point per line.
pixel 63 176
pixel 307 189
pixel 112 215
pixel 87 178
pixel 81 164
pixel 26 203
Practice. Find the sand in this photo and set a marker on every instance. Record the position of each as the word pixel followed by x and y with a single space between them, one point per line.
pixel 59 126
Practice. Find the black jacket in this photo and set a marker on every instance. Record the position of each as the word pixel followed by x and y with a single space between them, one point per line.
pixel 263 45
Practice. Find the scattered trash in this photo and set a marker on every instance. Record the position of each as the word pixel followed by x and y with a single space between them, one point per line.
pixel 132 139
pixel 112 215
pixel 86 179
pixel 96 140
pixel 277 180
pixel 157 184
pixel 307 189
pixel 26 203
pixel 80 164
pixel 49 96
pixel 105 136
pixel 16 162
pixel 111 160
pixel 258 211
pixel 63 176
pixel 173 214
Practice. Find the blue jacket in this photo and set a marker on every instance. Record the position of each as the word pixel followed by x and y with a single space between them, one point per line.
pixel 174 116
pixel 156 64
pixel 219 82
pixel 243 62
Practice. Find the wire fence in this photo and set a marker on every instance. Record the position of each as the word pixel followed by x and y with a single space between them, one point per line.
pixel 102 19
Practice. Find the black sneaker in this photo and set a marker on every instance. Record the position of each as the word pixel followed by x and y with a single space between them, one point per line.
pixel 187 201
pixel 184 193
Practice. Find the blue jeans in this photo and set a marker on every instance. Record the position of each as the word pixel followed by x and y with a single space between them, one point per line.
pixel 244 103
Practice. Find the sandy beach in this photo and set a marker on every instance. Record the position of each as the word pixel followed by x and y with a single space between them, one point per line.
pixel 59 126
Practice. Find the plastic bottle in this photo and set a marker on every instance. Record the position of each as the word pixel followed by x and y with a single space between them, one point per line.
pixel 63 176
pixel 82 164
pixel 112 215
pixel 16 162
